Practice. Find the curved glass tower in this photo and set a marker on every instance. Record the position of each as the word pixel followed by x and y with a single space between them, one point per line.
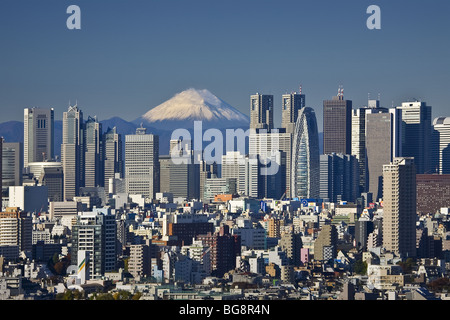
pixel 305 159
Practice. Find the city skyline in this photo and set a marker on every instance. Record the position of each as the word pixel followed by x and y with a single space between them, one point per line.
pixel 206 150
pixel 136 56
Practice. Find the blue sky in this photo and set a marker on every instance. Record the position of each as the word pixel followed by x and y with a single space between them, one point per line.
pixel 133 55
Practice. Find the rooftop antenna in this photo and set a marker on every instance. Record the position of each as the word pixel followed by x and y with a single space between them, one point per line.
pixel 379 96
pixel 300 89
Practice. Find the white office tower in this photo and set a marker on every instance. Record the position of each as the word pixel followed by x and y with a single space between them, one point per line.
pixel 305 161
pixel 244 169
pixel 273 151
pixel 142 163
pixel 95 232
pixel 83 266
pixel 440 146
pixel 72 158
pixel 38 135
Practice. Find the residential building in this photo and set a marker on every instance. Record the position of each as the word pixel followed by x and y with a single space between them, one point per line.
pixel 399 207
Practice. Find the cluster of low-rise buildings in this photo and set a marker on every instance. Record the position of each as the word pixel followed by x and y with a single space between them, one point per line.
pixel 239 248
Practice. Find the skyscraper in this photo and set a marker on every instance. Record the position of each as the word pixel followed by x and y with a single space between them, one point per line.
pixel 207 171
pixel 339 177
pixel 12 164
pixel 440 146
pixel 72 155
pixel 261 111
pixel 244 170
pixel 113 162
pixel 93 153
pixel 359 138
pixel 291 103
pixel 273 152
pixel 38 135
pixel 399 207
pixel 305 172
pixel 379 149
pixel 416 134
pixel 141 163
pixel 180 178
pixel 337 125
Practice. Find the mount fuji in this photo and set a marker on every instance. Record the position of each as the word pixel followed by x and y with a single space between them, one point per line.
pixel 194 105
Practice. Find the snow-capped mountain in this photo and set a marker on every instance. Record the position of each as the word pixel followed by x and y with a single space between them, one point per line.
pixel 194 105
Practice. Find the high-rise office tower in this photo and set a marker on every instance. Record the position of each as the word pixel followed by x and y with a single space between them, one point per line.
pixel 440 146
pixel 379 149
pixel 261 111
pixel 141 163
pixel 52 177
pixel 16 229
pixel 325 246
pixel 207 171
pixel 38 135
pixel 12 164
pixel 72 155
pixel 359 138
pixel 273 152
pixel 244 170
pixel 305 173
pixel 291 103
pixel 95 232
pixel 339 177
pixel 399 207
pixel 181 178
pixel 93 153
pixel 416 134
pixel 113 163
pixel 337 125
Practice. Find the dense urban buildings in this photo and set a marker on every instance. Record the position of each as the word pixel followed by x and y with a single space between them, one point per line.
pixel 366 218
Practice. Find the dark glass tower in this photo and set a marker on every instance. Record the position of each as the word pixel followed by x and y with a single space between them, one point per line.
pixel 337 125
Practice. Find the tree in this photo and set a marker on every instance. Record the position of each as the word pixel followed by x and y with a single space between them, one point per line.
pixel 360 267
pixel 407 266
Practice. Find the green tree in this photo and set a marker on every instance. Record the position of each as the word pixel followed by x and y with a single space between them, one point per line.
pixel 360 267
